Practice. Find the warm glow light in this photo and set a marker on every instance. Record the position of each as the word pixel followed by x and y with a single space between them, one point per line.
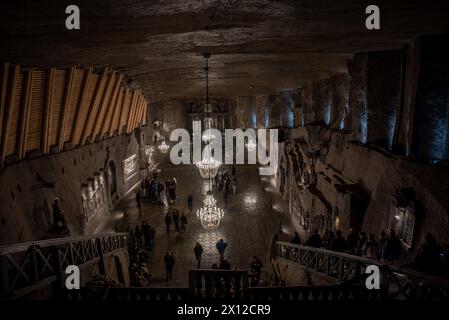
pixel 210 215
pixel 163 147
pixel 208 166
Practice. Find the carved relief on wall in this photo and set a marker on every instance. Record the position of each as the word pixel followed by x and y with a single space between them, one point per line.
pixel 303 163
pixel 130 167
pixel 92 196
pixel 299 214
pixel 402 216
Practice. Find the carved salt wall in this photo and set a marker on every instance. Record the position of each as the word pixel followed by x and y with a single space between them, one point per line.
pixel 340 185
pixel 27 189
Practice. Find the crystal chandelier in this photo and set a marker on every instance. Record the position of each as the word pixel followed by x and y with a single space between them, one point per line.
pixel 210 215
pixel 163 147
pixel 208 166
pixel 251 145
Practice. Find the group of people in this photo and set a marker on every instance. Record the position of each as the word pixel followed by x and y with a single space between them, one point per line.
pixel 142 241
pixel 179 220
pixel 227 183
pixel 156 191
pixel 388 248
pixel 255 269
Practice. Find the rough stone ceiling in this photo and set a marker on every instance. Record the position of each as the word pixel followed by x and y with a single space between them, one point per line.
pixel 270 44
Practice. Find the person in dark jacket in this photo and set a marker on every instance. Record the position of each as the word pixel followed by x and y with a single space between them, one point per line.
pixel 428 259
pixel 296 239
pixel 190 202
pixel 314 240
pixel 339 243
pixel 183 221
pixel 175 218
pixel 221 247
pixel 393 248
pixel 168 220
pixel 169 261
pixel 198 250
pixel 353 240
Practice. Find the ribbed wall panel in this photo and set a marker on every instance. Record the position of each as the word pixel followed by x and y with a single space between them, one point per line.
pixel 58 100
pixel 75 93
pixel 15 111
pixel 87 103
pixel 33 138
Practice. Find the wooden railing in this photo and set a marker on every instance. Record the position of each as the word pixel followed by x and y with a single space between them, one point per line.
pixel 396 283
pixel 212 283
pixel 31 266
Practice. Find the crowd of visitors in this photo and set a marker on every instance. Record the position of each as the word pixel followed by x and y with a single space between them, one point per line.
pixel 152 189
pixel 177 218
pixel 142 240
pixel 227 182
pixel 430 258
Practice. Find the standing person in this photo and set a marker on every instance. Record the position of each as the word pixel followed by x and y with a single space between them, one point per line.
pixel 168 220
pixel 339 244
pixel 58 214
pixel 138 235
pixel 296 239
pixel 360 244
pixel 138 199
pixel 370 248
pixel 225 197
pixel 382 242
pixel 234 186
pixel 221 247
pixel 160 190
pixel 198 250
pixel 175 217
pixel 145 228
pixel 190 202
pixel 169 261
pixel 183 220
pixel 393 248
pixel 152 236
pixel 314 240
pixel 353 240
pixel 174 185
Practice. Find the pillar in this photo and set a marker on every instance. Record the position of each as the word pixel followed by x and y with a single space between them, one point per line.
pixel 384 82
pixel 431 114
pixel 340 95
pixel 357 68
pixel 322 101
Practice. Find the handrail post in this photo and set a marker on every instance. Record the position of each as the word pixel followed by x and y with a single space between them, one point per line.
pixel 58 285
pixel 101 263
pixel 34 264
pixel 4 276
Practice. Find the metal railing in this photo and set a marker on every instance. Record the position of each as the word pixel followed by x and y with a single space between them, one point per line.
pixel 396 283
pixel 31 266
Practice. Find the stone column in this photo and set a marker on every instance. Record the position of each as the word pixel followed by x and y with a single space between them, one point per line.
pixel 322 101
pixel 340 92
pixel 307 103
pixel 357 68
pixel 431 118
pixel 384 96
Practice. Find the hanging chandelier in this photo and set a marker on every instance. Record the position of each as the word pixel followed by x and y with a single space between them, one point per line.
pixel 210 215
pixel 208 166
pixel 251 145
pixel 163 147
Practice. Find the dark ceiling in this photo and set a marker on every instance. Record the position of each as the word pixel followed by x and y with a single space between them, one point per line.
pixel 159 44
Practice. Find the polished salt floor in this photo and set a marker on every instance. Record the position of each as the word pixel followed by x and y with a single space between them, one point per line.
pixel 248 225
